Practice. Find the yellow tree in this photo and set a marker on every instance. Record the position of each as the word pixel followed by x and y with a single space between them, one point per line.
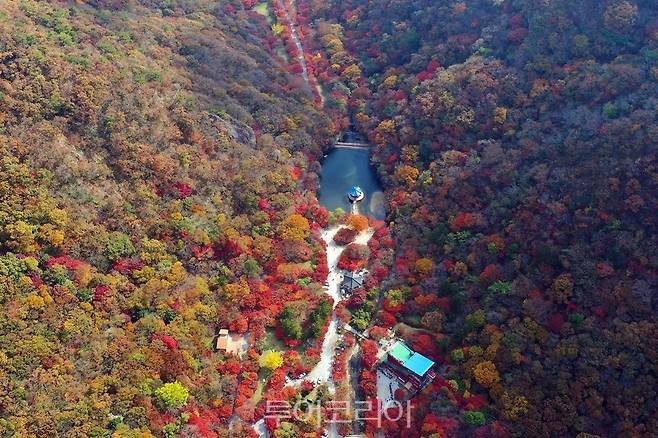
pixel 271 360
pixel 295 227
pixel 352 73
pixel 424 266
pixel 407 175
pixel 384 131
pixel 236 291
pixel 20 236
pixel 486 373
pixel 278 28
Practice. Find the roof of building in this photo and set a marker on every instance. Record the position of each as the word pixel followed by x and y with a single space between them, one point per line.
pixel 355 191
pixel 419 364
pixel 352 280
pixel 400 352
pixel 222 342
pixel 234 343
pixel 415 362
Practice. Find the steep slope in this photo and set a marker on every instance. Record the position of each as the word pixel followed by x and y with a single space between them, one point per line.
pixel 517 143
pixel 152 157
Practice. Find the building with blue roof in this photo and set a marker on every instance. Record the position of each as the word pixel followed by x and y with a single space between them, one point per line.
pixel 355 194
pixel 411 368
pixel 418 364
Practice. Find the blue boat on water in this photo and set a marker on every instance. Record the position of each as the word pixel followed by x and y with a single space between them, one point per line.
pixel 355 194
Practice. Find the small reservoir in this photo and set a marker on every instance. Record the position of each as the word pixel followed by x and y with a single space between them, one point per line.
pixel 343 168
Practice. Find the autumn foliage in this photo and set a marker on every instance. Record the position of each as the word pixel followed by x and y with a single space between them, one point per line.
pixel 158 181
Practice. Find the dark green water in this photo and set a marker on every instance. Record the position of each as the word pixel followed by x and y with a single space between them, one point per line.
pixel 344 168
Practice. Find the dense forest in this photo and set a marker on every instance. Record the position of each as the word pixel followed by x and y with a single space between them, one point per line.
pixel 154 187
pixel 159 173
pixel 517 142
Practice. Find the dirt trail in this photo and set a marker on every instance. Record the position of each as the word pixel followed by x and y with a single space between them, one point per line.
pixel 298 42
pixel 321 373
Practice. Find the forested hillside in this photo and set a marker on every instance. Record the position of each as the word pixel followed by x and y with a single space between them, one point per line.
pixel 154 173
pixel 158 179
pixel 517 141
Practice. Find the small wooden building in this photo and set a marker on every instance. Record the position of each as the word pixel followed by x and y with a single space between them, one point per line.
pixel 223 340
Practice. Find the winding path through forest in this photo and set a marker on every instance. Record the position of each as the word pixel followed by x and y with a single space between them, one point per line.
pixel 292 25
pixel 321 373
